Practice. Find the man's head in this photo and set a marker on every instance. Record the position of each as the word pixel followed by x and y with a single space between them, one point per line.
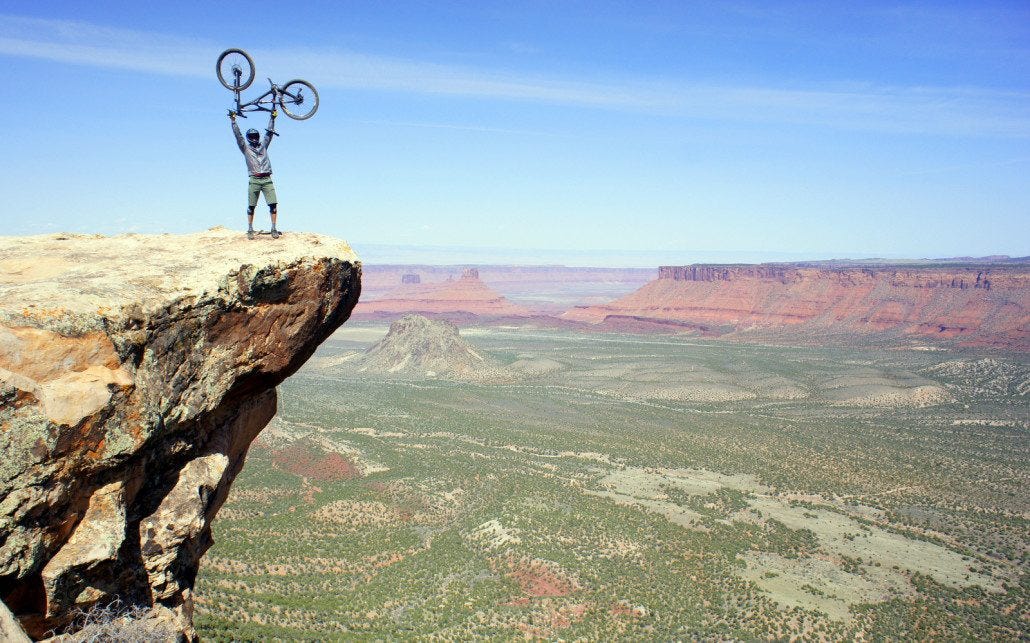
pixel 253 137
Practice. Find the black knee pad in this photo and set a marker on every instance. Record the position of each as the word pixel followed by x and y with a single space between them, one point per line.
pixel 250 210
pixel 271 207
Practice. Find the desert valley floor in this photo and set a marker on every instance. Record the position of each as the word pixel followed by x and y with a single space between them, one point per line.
pixel 649 487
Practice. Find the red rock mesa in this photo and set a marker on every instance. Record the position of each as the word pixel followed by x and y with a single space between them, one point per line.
pixel 977 305
pixel 467 295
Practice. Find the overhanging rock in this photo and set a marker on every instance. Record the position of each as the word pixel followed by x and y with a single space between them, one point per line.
pixel 134 373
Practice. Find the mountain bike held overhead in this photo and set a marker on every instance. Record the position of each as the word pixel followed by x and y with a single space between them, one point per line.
pixel 298 99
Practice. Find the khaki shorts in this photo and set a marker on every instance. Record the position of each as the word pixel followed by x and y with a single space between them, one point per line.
pixel 260 185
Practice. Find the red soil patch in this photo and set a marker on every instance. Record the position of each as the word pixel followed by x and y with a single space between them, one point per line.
pixel 565 616
pixel 304 461
pixel 538 579
pixel 623 610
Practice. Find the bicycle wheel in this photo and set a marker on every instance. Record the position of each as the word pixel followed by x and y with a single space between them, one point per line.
pixel 299 99
pixel 235 69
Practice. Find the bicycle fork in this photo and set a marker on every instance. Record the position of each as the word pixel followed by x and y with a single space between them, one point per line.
pixel 238 74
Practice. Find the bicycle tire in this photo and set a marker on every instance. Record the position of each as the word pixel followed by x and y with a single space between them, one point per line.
pixel 235 57
pixel 296 103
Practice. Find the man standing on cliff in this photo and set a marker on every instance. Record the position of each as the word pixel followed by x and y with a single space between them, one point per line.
pixel 255 152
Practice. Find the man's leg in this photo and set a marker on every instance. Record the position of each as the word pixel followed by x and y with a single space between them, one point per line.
pixel 253 189
pixel 273 202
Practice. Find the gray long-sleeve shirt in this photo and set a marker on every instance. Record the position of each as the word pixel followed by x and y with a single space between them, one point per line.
pixel 256 155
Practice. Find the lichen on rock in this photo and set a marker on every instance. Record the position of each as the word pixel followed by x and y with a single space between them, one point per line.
pixel 134 373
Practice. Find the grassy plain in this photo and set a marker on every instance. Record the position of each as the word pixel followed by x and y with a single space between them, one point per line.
pixel 638 487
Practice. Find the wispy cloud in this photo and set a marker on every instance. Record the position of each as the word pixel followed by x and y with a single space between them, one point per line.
pixel 83 43
pixel 461 128
pixel 934 110
pixel 948 169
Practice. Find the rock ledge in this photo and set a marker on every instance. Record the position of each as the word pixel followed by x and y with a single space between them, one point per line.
pixel 134 373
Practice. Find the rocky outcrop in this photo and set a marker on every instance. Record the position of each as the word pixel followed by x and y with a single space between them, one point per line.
pixel 986 305
pixel 10 629
pixel 134 373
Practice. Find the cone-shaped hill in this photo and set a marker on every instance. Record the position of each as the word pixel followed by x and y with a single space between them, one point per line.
pixel 419 347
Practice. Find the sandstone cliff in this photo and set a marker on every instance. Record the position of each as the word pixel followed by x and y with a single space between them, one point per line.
pixel 988 305
pixel 134 373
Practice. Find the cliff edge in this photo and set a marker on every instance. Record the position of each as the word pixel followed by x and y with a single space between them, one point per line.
pixel 134 373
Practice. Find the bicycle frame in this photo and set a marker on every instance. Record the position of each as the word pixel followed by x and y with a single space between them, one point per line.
pixel 297 99
pixel 266 102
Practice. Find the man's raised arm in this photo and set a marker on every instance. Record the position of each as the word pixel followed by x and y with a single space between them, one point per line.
pixel 270 130
pixel 236 130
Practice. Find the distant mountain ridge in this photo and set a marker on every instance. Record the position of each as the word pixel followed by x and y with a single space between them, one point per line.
pixel 466 295
pixel 984 304
pixel 967 300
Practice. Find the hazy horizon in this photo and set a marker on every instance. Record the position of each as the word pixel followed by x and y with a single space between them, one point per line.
pixel 377 253
pixel 632 258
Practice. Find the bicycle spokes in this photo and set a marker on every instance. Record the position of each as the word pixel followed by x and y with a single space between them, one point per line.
pixel 235 69
pixel 299 99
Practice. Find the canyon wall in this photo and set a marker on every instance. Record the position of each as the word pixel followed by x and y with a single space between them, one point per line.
pixel 134 373
pixel 984 305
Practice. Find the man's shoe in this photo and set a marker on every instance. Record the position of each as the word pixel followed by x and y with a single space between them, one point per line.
pixel 250 234
pixel 276 234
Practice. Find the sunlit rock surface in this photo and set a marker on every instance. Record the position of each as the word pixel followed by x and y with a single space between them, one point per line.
pixel 134 373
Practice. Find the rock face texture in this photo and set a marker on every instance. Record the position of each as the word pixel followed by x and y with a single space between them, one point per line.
pixel 987 305
pixel 134 373
pixel 420 347
pixel 465 296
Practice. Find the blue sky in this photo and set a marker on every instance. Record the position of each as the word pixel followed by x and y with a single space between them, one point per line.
pixel 664 131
